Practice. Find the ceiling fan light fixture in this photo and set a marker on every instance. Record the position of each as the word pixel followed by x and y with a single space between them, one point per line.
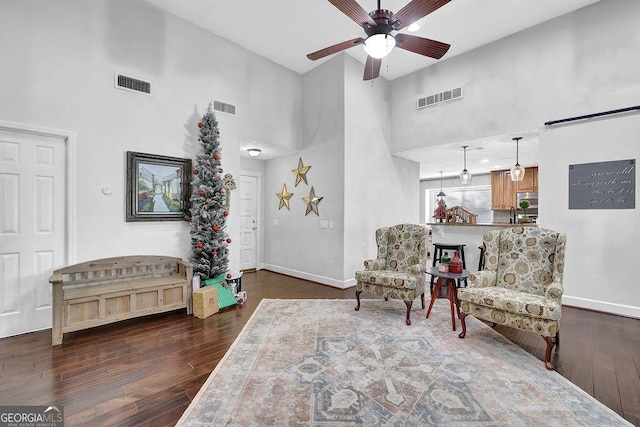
pixel 379 45
pixel 517 171
pixel 254 152
pixel 413 27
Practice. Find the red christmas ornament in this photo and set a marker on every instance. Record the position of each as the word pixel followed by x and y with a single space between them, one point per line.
pixel 228 240
pixel 200 125
pixel 214 253
pixel 216 157
pixel 221 170
pixel 201 193
pixel 199 245
pixel 229 276
pixel 195 172
pixel 215 228
pixel 225 213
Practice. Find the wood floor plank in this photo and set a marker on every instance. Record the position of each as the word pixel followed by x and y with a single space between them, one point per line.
pixel 146 371
pixel 605 383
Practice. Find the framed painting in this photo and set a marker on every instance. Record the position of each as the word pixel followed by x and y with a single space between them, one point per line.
pixel 157 188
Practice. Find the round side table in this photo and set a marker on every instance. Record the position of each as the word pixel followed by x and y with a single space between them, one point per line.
pixel 450 280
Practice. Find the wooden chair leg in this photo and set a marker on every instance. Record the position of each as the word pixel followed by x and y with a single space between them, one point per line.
pixel 422 299
pixel 464 325
pixel 409 304
pixel 547 354
pixel 358 298
pixel 558 338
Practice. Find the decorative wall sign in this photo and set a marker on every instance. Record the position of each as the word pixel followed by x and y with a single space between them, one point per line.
pixel 284 197
pixel 301 172
pixel 603 185
pixel 157 187
pixel 312 202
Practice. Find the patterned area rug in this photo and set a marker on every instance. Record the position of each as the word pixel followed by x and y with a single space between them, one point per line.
pixel 320 363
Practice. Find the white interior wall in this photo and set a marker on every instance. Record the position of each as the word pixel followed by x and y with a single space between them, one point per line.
pixel 550 71
pixel 59 60
pixel 380 189
pixel 601 253
pixel 581 63
pixel 295 243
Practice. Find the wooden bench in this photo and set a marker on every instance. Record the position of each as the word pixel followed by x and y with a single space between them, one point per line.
pixel 103 291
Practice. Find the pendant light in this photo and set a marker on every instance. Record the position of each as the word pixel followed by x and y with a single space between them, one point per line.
pixel 465 175
pixel 441 193
pixel 517 171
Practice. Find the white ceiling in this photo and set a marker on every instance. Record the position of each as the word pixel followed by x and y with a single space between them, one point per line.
pixel 285 31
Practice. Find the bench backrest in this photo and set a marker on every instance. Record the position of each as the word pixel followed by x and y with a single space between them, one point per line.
pixel 118 268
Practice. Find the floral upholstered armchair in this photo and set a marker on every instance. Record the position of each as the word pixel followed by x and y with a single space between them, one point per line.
pixel 521 284
pixel 398 272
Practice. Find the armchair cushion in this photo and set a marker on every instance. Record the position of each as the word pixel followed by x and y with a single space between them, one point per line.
pixel 513 302
pixel 394 279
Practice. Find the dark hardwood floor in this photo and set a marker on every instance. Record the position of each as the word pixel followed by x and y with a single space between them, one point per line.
pixel 144 372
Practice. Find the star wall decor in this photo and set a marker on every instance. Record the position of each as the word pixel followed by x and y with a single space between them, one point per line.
pixel 284 197
pixel 312 202
pixel 301 172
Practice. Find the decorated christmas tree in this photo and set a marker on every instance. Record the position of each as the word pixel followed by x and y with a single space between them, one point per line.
pixel 209 241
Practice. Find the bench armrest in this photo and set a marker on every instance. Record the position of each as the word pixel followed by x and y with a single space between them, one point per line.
pixel 56 278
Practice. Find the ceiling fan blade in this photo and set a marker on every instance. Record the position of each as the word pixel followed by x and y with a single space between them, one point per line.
pixel 415 10
pixel 354 11
pixel 422 46
pixel 335 48
pixel 372 68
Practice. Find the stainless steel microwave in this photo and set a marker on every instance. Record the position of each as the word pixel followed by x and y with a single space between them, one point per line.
pixel 531 197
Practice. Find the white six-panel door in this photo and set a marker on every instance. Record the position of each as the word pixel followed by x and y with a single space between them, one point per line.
pixel 32 227
pixel 249 203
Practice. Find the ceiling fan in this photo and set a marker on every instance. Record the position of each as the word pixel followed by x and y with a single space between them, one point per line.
pixel 378 26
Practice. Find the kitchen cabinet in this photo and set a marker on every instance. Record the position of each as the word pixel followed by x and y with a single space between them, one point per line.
pixel 503 190
pixel 530 181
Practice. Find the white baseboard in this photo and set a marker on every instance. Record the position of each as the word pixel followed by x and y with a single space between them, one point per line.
pixel 340 284
pixel 603 306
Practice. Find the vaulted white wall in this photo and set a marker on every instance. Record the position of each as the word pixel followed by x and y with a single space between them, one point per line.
pixel 59 60
pixel 345 140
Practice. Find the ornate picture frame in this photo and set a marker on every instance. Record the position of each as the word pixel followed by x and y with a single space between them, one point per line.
pixel 158 188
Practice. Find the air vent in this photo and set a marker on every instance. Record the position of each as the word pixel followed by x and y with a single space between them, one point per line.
pixel 132 84
pixel 223 107
pixel 437 98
